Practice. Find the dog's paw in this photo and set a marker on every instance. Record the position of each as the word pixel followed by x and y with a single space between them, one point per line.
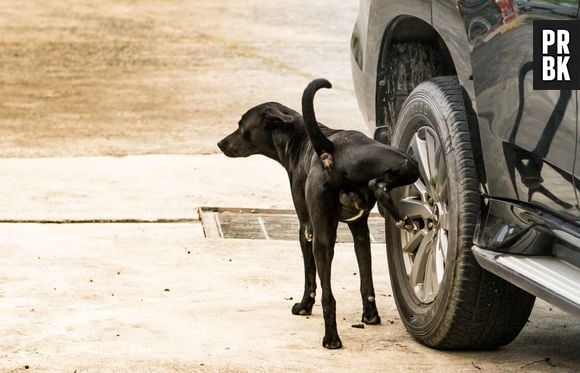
pixel 407 225
pixel 302 309
pixel 331 343
pixel 372 318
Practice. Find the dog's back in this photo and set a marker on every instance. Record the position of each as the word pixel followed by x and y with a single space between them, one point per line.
pixel 350 155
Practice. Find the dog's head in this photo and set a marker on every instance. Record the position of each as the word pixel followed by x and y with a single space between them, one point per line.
pixel 254 132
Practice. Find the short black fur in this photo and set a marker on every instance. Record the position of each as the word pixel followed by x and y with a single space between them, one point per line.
pixel 335 175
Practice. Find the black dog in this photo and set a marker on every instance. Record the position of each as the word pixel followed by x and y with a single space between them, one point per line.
pixel 335 176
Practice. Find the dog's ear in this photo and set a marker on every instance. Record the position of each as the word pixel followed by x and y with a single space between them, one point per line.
pixel 273 116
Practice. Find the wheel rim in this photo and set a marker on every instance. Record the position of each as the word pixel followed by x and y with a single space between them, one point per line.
pixel 426 203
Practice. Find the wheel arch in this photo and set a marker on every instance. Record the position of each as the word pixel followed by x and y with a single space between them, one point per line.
pixel 402 30
pixel 451 48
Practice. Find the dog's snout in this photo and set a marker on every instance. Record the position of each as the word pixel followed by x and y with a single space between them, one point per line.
pixel 227 147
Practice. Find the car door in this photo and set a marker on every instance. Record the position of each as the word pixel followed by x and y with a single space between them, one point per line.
pixel 532 134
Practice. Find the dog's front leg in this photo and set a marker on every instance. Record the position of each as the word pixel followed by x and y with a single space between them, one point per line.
pixel 305 305
pixel 362 247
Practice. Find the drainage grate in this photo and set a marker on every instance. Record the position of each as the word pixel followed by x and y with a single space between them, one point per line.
pixel 265 224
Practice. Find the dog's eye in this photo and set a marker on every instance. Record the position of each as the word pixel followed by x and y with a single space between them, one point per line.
pixel 245 133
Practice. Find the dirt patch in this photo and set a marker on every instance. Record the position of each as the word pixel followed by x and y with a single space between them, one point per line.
pixel 138 77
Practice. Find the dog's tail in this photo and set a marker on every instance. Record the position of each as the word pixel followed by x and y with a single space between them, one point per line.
pixel 322 145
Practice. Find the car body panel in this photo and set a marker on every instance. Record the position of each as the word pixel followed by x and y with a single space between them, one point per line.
pixel 492 63
pixel 373 22
pixel 450 26
pixel 529 136
pixel 528 141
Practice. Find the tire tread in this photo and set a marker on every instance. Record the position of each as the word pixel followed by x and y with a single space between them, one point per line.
pixel 484 311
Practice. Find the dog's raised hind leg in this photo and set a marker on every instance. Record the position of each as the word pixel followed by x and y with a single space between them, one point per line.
pixel 381 189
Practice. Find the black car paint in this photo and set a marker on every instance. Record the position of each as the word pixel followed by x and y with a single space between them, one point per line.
pixel 528 139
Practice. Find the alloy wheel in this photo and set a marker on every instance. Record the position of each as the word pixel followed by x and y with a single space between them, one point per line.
pixel 426 203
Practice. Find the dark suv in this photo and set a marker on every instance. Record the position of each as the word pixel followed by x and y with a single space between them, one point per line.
pixel 450 82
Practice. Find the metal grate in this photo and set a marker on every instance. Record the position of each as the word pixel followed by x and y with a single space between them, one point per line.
pixel 264 224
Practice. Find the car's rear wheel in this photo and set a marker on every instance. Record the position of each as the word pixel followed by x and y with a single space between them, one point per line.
pixel 445 299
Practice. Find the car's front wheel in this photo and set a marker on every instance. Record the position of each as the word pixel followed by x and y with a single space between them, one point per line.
pixel 445 299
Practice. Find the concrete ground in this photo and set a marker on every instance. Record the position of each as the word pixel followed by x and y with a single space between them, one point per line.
pixel 92 93
pixel 160 296
pixel 121 77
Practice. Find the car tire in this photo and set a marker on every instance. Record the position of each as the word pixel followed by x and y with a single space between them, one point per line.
pixel 445 299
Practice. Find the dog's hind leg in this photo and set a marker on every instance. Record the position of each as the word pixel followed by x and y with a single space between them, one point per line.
pixel 324 212
pixel 305 306
pixel 381 190
pixel 362 247
pixel 382 186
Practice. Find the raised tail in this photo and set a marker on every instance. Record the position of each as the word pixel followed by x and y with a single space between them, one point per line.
pixel 322 145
